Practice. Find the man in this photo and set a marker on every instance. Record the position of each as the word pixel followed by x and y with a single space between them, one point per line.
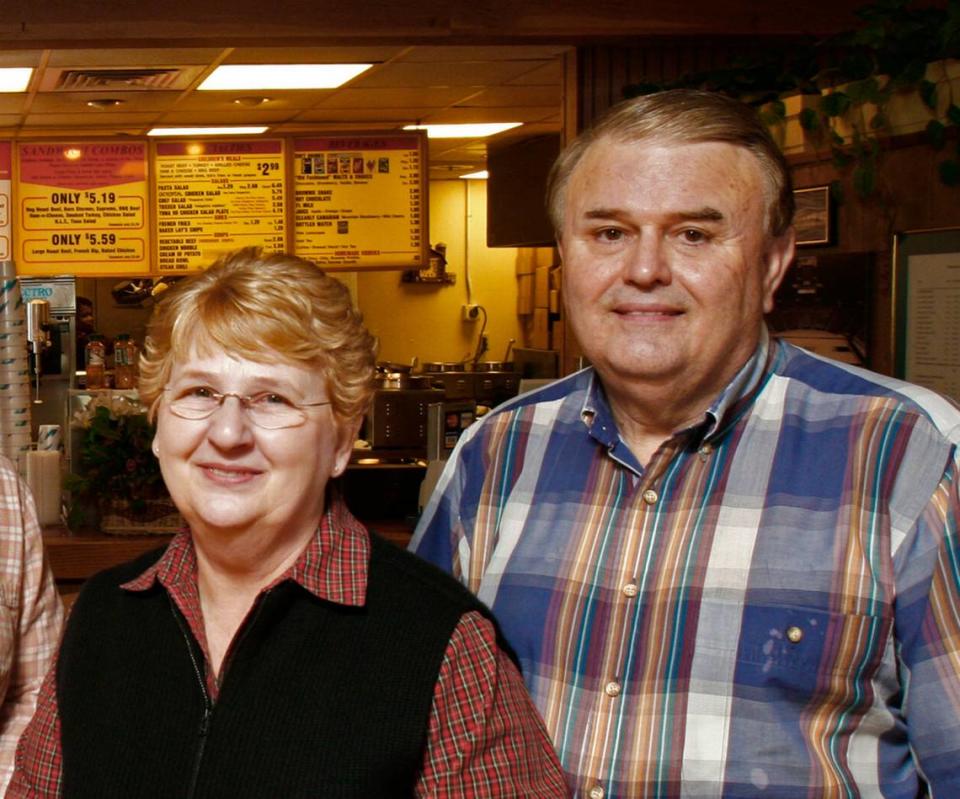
pixel 729 568
pixel 30 613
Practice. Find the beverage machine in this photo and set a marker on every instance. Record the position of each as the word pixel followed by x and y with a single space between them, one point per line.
pixel 57 326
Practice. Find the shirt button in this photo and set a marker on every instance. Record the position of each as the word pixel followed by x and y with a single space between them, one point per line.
pixel 596 792
pixel 612 688
pixel 650 496
pixel 794 635
pixel 630 589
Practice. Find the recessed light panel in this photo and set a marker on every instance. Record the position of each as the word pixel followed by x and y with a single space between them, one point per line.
pixel 469 131
pixel 15 79
pixel 241 130
pixel 256 77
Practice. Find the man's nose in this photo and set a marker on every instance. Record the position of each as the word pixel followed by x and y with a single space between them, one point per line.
pixel 647 262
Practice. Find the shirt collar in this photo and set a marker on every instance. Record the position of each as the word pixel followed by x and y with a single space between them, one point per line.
pixel 729 405
pixel 332 567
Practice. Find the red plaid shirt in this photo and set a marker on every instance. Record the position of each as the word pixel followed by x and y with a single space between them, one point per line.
pixel 485 738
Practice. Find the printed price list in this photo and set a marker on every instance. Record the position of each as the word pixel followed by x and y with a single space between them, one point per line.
pixel 216 196
pixel 82 204
pixel 933 336
pixel 359 200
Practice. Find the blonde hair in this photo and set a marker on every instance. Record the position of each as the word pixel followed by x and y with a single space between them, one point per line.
pixel 682 116
pixel 258 307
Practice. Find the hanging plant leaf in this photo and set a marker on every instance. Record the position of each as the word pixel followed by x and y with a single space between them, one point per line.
pixel 928 93
pixel 911 73
pixel 936 134
pixel 863 91
pixel 864 179
pixel 809 120
pixel 835 104
pixel 836 192
pixel 841 159
pixel 953 113
pixel 950 172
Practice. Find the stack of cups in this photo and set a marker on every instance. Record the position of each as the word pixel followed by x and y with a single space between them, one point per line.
pixel 14 370
pixel 43 474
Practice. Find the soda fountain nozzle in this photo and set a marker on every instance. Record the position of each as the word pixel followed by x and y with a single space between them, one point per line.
pixel 38 315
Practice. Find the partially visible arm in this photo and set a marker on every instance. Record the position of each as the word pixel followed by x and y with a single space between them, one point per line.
pixel 485 736
pixel 38 611
pixel 39 760
pixel 928 633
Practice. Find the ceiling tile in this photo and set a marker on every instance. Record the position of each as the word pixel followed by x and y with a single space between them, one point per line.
pixel 515 96
pixel 444 73
pixel 141 57
pixel 396 98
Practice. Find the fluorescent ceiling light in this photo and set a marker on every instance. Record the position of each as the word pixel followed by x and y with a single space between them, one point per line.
pixel 238 130
pixel 15 79
pixel 254 77
pixel 470 131
pixel 481 175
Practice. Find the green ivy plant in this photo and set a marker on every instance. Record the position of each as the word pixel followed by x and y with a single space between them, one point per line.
pixel 115 461
pixel 852 77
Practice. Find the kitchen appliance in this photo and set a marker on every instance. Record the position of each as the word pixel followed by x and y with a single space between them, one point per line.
pixel 38 338
pixel 488 383
pixel 446 421
pixel 398 419
pixel 57 372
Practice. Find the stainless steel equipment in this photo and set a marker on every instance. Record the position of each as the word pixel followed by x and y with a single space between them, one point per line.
pixel 446 422
pixel 57 373
pixel 490 383
pixel 398 419
pixel 38 336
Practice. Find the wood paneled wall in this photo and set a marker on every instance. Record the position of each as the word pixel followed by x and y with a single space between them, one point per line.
pixel 910 195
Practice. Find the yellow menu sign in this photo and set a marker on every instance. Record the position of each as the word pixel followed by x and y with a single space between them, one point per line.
pixel 360 200
pixel 216 196
pixel 81 208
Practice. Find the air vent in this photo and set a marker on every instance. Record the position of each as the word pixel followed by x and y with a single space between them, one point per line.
pixel 95 79
pixel 119 79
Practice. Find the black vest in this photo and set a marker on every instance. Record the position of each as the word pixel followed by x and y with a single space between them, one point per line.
pixel 318 699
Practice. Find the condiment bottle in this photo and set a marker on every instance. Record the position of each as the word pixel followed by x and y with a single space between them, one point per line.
pixel 95 358
pixel 124 362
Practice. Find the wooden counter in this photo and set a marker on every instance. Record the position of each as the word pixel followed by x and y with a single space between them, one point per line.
pixel 74 557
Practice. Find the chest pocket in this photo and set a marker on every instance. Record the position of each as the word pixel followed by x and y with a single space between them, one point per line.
pixel 800 650
pixel 8 625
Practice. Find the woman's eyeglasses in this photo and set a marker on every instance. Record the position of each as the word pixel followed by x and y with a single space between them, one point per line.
pixel 268 409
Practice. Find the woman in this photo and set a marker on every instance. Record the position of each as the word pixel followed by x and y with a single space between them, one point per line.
pixel 275 649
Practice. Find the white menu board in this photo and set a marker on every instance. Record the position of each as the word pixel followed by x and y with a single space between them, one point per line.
pixel 932 357
pixel 360 200
pixel 213 197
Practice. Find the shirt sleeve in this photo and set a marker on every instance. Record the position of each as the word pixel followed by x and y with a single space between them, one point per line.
pixel 39 761
pixel 928 636
pixel 32 615
pixel 485 736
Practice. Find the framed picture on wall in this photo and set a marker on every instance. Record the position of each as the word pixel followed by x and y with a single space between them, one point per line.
pixel 812 220
pixel 926 308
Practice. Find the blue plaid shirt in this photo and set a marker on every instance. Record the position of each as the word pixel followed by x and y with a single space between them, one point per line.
pixel 769 607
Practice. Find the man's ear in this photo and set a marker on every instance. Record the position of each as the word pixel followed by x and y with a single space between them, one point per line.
pixel 779 256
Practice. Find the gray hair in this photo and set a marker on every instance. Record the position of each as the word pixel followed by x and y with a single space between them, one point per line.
pixel 682 116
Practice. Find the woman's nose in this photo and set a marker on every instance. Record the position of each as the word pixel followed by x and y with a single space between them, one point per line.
pixel 230 425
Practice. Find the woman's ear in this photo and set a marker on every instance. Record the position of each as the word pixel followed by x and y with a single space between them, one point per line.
pixel 346 437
